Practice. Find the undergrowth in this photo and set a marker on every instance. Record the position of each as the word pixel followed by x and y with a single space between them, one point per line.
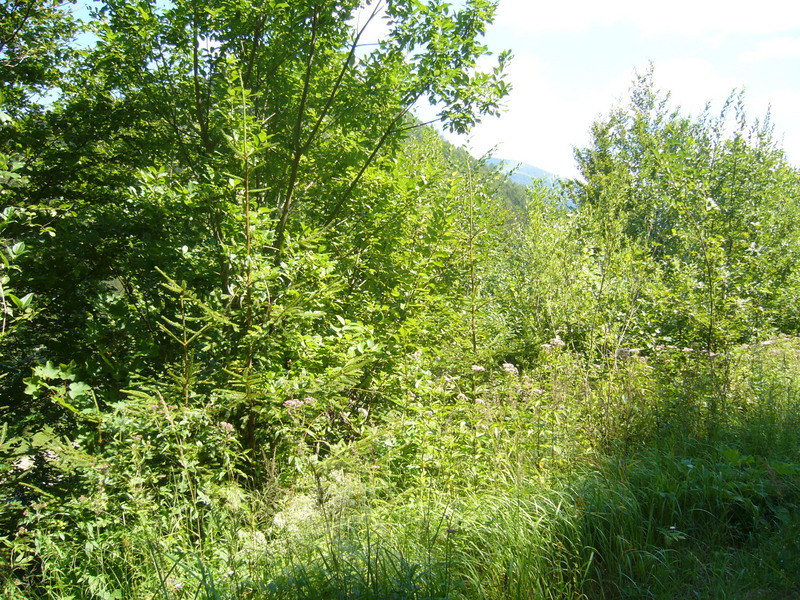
pixel 675 475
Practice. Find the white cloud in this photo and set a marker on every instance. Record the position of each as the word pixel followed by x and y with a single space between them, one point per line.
pixel 782 106
pixel 538 17
pixel 693 82
pixel 678 17
pixel 371 19
pixel 544 119
pixel 774 48
pixel 535 128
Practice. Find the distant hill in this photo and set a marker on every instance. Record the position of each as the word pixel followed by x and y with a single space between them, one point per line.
pixel 523 173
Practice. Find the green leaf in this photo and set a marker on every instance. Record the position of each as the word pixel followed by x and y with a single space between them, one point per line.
pixel 78 389
pixel 50 371
pixel 17 250
pixel 21 303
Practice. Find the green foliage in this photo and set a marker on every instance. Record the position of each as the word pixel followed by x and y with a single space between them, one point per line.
pixel 262 221
pixel 279 340
pixel 13 306
pixel 33 49
pixel 705 199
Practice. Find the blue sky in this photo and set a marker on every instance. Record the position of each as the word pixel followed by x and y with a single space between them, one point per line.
pixel 575 59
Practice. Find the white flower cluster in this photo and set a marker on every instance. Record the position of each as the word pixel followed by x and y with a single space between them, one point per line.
pixel 556 342
pixel 510 369
pixel 295 403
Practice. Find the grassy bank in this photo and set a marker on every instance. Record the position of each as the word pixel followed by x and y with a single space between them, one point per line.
pixel 675 475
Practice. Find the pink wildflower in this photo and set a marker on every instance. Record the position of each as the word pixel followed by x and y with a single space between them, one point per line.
pixel 510 369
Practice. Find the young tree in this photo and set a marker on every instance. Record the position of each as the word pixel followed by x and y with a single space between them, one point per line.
pixel 696 196
pixel 241 153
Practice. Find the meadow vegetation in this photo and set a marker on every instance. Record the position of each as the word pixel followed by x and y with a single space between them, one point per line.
pixel 266 336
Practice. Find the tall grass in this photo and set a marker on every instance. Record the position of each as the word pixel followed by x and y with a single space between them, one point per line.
pixel 642 480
